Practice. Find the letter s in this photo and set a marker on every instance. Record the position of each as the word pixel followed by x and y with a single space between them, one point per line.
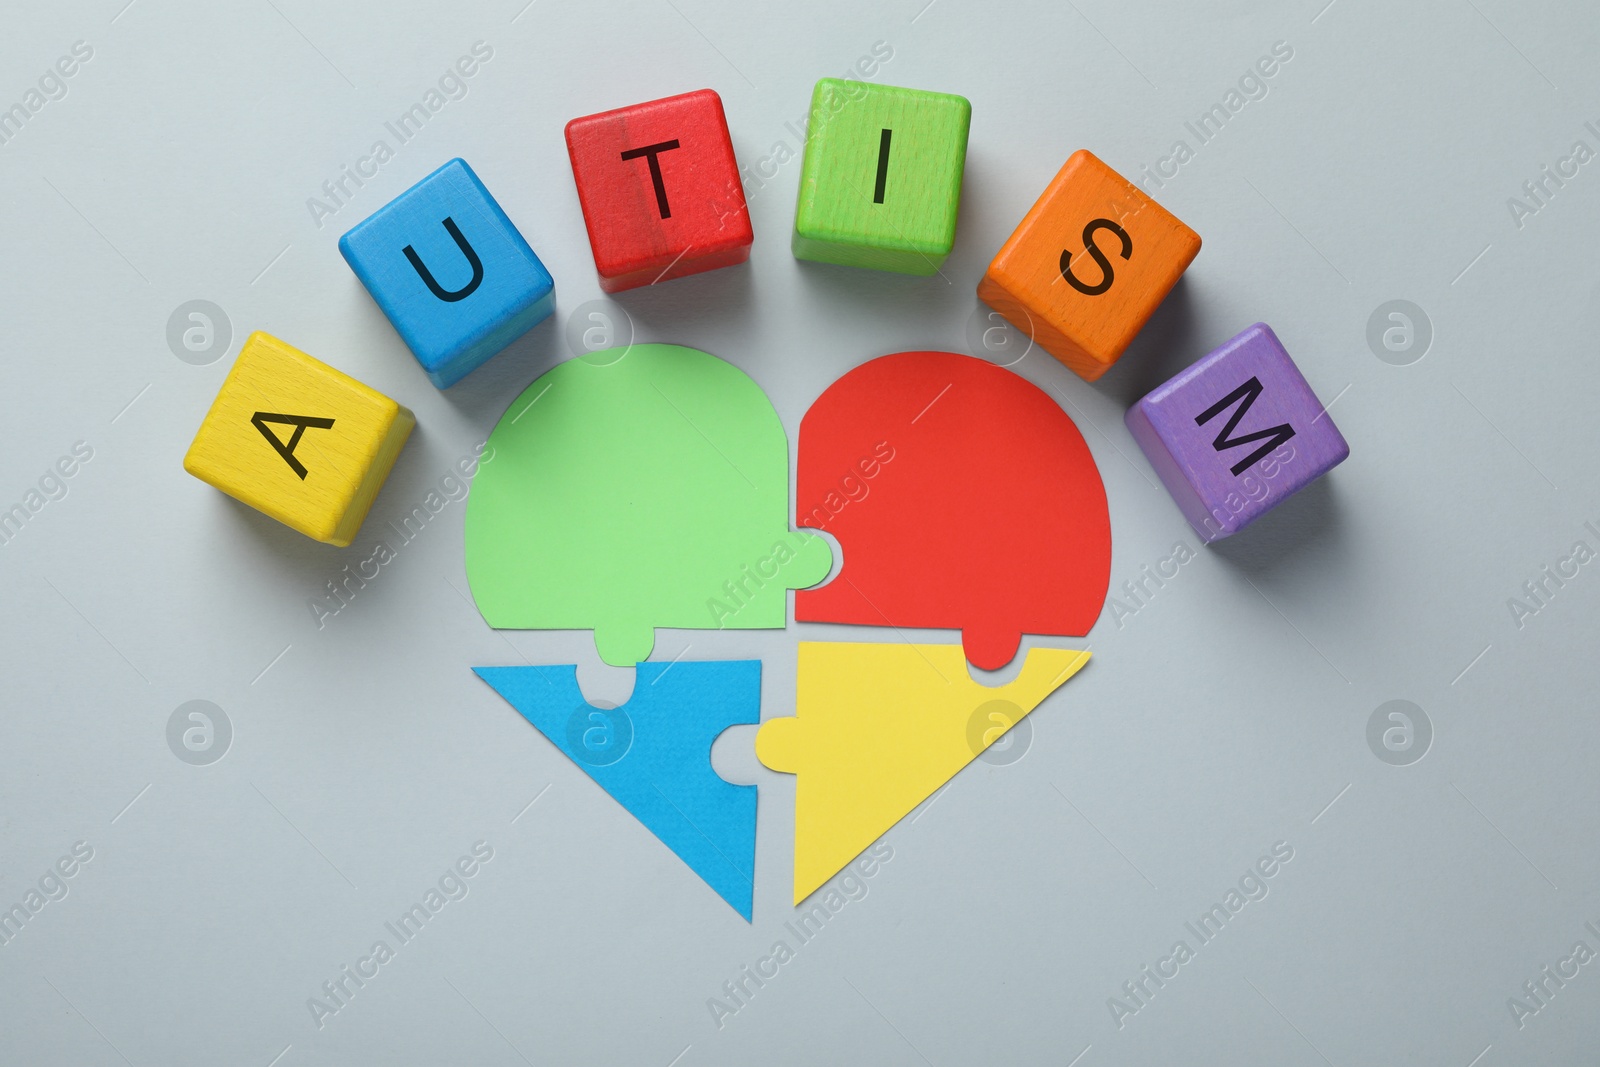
pixel 483 851
pixel 483 50
pixel 83 50
pixel 1107 275
pixel 83 851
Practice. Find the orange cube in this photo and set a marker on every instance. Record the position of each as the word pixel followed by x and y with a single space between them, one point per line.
pixel 1088 265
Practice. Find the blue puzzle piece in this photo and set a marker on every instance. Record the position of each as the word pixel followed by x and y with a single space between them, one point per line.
pixel 450 270
pixel 653 754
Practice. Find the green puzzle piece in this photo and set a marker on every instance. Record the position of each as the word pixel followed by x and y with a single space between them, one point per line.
pixel 881 181
pixel 635 488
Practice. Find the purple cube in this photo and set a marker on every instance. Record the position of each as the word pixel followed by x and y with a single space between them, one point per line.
pixel 1236 433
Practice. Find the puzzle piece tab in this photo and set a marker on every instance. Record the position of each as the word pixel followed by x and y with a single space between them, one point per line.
pixel 877 728
pixel 962 497
pixel 653 755
pixel 634 488
pixel 299 441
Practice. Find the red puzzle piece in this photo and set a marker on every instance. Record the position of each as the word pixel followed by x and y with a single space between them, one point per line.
pixel 660 190
pixel 962 497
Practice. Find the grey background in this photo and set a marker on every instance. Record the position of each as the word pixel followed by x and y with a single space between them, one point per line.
pixel 1230 712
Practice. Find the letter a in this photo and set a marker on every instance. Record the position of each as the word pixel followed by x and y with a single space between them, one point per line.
pixel 1520 211
pixel 286 448
pixel 320 1011
pixel 719 1011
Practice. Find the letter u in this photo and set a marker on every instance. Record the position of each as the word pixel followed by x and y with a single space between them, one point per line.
pixel 466 250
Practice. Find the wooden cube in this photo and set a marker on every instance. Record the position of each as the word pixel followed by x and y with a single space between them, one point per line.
pixel 1236 434
pixel 660 190
pixel 1088 265
pixel 299 441
pixel 454 276
pixel 881 181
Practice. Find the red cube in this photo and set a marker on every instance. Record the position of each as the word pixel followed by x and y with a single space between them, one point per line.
pixel 660 190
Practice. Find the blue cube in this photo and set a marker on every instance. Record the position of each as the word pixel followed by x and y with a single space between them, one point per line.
pixel 454 276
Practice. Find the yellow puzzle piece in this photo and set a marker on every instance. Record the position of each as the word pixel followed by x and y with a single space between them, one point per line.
pixel 298 440
pixel 877 728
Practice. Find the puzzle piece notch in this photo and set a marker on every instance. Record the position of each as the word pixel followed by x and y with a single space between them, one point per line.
pixel 638 488
pixel 963 497
pixel 877 729
pixel 653 754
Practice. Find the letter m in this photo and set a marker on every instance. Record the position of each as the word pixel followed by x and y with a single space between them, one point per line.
pixel 1244 396
pixel 416 917
pixel 16 116
pixel 11 521
pixel 11 922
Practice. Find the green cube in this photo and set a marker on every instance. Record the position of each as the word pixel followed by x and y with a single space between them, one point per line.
pixel 881 181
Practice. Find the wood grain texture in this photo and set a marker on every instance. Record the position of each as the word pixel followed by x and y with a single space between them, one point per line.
pixel 1088 331
pixel 885 206
pixel 450 270
pixel 660 190
pixel 344 464
pixel 1249 398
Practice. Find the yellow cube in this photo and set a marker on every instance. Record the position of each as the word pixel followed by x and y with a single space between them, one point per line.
pixel 298 440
